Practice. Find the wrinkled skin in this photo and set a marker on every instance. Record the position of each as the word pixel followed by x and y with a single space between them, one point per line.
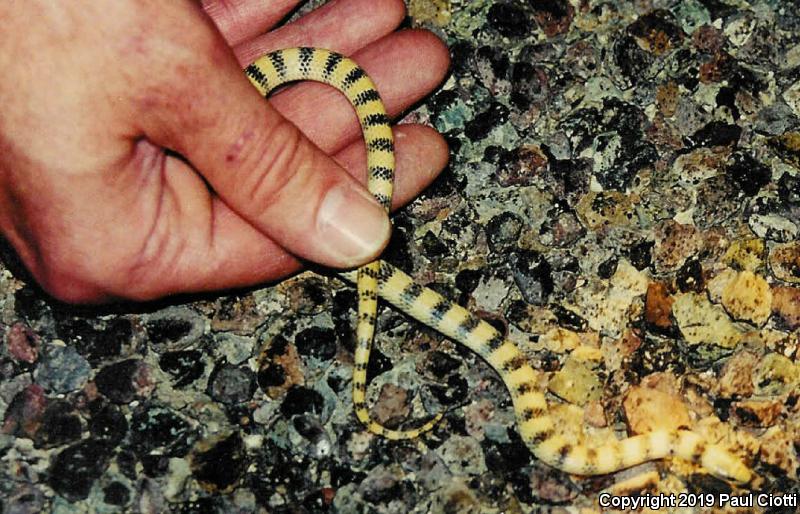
pixel 136 160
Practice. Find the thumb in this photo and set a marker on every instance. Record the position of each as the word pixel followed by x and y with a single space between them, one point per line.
pixel 265 169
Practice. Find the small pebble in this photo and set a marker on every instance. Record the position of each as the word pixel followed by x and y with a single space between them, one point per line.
pixel 649 409
pixel 234 348
pixel 784 261
pixel 502 232
pixel 280 367
pixel 316 342
pixel 218 462
pixel 462 456
pixel 745 254
pixel 748 297
pixel 758 413
pixel 231 384
pixel 107 423
pixel 675 243
pixel 702 322
pixel 183 366
pixel 576 382
pixel 116 493
pixel 533 276
pixel 60 425
pixel 157 433
pixel 508 19
pixel 776 375
pixel 98 340
pixel 553 16
pixel 23 416
pixel 22 343
pixel 393 406
pixel 786 305
pixel 62 369
pixel 74 470
pixel 658 306
pixel 736 377
pixel 301 399
pixel 123 381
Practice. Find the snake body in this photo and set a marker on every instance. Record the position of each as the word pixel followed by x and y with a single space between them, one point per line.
pixel 536 425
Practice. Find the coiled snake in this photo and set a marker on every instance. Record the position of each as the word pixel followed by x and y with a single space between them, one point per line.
pixel 536 426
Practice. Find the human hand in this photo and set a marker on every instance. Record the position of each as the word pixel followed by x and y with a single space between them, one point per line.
pixel 116 116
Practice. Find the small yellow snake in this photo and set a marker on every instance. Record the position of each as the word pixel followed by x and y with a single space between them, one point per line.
pixel 536 425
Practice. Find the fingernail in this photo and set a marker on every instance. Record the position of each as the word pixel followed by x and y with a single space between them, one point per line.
pixel 353 225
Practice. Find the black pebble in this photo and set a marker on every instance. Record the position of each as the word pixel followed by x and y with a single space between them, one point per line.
pixel 440 364
pixel 506 457
pixel 154 465
pixel 183 366
pixel 509 20
pixel 316 342
pixel 158 430
pixel 748 174
pixel 74 470
pixel 231 384
pixel 607 268
pixel 222 465
pixel 271 375
pixel 301 399
pixel 503 230
pixel 533 276
pixel 701 483
pixel 569 319
pixel 468 279
pixel 483 123
pixel 116 493
pixel 162 331
pixel 60 425
pixel 442 100
pixel 309 427
pixel 97 341
pixel 715 133
pixel 107 423
pixel 453 393
pixel 378 364
pixel 640 254
pixel 690 277
pixel 432 246
pixel 632 61
pixel 117 381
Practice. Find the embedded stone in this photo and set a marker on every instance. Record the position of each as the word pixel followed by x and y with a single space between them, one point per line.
pixel 702 322
pixel 748 297
pixel 786 305
pixel 745 254
pixel 576 382
pixel 775 375
pixel 648 409
pixel 658 305
pixel 758 413
pixel 736 377
pixel 560 340
pixel 675 243
pixel 784 261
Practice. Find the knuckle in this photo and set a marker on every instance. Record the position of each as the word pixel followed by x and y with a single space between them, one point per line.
pixel 225 13
pixel 269 164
